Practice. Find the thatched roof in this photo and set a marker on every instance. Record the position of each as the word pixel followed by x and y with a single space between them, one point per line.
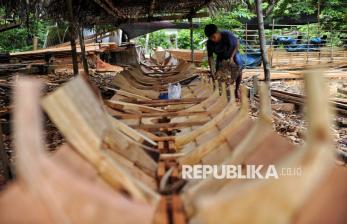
pixel 90 12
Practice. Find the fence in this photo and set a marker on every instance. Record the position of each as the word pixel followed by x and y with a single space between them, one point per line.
pixel 297 45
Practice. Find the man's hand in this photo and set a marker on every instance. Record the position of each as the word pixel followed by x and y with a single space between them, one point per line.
pixel 232 62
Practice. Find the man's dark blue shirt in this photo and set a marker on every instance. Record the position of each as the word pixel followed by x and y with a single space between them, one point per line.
pixel 224 48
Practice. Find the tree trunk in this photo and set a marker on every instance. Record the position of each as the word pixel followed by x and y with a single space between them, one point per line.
pixel 262 40
pixel 83 52
pixel 263 49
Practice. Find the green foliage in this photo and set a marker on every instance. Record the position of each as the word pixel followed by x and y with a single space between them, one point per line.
pixel 156 39
pixel 184 39
pixel 229 20
pixel 332 13
pixel 224 20
pixel 20 39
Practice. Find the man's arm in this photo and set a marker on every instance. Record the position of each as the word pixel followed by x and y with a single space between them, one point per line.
pixel 233 42
pixel 233 53
pixel 210 58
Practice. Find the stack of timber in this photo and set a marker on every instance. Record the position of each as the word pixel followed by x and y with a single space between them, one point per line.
pixel 339 105
pixel 123 159
pixel 44 61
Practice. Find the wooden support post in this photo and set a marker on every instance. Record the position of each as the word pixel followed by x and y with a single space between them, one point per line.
pixel 147 43
pixel 72 37
pixel 332 47
pixel 255 85
pixel 318 26
pixel 35 43
pixel 271 41
pixel 308 41
pixel 176 40
pixel 246 41
pixel 83 52
pixel 262 40
pixel 191 39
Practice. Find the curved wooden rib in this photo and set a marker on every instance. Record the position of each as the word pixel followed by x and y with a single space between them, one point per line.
pixel 191 136
pixel 254 142
pixel 122 83
pixel 288 193
pixel 195 155
pixel 81 119
pixel 132 133
pixel 212 108
pixel 52 188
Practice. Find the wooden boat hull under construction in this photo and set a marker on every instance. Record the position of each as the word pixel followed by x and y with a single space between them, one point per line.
pixel 123 159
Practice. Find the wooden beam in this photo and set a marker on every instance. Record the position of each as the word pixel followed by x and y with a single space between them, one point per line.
pixel 106 8
pixel 72 36
pixel 114 9
pixel 157 18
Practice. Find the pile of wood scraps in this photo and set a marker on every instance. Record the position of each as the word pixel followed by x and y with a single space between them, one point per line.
pixel 123 157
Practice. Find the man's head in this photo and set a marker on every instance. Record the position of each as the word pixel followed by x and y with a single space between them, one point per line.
pixel 211 31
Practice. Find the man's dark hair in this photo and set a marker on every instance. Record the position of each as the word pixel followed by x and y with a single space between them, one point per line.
pixel 210 29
